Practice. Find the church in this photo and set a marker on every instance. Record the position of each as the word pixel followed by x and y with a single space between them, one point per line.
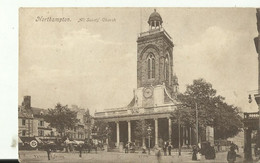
pixel 155 98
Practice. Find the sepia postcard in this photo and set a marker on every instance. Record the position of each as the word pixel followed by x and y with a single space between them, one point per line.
pixel 126 85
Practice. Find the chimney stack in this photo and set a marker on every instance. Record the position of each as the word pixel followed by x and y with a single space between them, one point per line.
pixel 27 102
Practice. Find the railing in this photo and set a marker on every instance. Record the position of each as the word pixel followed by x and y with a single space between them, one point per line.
pixel 254 115
pixel 155 31
pixel 135 110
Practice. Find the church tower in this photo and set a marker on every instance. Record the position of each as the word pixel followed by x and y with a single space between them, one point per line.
pixel 155 63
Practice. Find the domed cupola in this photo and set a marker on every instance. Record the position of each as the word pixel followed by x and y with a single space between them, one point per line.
pixel 155 20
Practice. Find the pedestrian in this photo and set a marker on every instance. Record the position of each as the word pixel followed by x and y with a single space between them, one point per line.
pixel 90 144
pixel 127 147
pixel 133 147
pixel 194 152
pixel 67 141
pixel 158 155
pixel 210 153
pixel 165 148
pixel 234 145
pixel 80 150
pixel 144 149
pixel 231 156
pixel 170 148
pixel 48 150
pixel 95 145
pixel 237 148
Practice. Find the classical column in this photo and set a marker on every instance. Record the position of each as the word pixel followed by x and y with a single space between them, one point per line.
pixel 117 134
pixel 247 145
pixel 143 142
pixel 184 135
pixel 170 129
pixel 129 131
pixel 190 136
pixel 156 131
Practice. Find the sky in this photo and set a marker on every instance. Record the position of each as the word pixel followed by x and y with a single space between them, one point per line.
pixel 93 64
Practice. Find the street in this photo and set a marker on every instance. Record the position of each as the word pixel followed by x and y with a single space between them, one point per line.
pixel 112 157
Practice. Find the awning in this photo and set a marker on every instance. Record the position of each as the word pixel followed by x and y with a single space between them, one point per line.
pixel 27 139
pixel 39 140
pixel 19 140
pixel 78 142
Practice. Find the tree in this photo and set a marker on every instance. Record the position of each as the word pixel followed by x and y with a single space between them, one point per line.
pixel 184 115
pixel 102 129
pixel 61 118
pixel 212 109
pixel 227 121
pixel 141 130
pixel 88 123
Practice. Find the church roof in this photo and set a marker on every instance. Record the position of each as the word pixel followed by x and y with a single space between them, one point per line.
pixel 132 103
pixel 39 111
pixel 155 16
pixel 31 112
pixel 24 113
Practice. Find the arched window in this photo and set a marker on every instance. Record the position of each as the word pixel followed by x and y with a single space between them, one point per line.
pixel 166 67
pixel 151 66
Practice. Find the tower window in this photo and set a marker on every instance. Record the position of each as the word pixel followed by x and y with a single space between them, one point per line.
pixel 166 68
pixel 151 66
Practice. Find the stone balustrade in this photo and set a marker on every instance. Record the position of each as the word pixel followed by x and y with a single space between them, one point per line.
pixel 135 110
pixel 254 115
pixel 155 31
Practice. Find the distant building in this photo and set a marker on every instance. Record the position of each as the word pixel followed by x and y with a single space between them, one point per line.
pixel 31 122
pixel 83 128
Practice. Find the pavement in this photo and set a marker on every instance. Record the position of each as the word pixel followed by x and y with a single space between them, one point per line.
pixel 115 157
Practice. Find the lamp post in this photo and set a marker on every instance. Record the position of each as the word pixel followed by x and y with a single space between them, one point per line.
pixel 149 131
pixel 179 128
pixel 197 123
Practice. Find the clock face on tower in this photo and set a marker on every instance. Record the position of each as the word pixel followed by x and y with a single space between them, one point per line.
pixel 148 92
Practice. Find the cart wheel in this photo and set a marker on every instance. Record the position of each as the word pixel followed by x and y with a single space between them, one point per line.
pixel 33 143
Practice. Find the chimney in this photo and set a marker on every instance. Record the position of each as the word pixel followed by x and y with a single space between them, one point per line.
pixel 27 102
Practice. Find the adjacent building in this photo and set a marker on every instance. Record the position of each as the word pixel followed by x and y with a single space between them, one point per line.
pixel 32 124
pixel 83 128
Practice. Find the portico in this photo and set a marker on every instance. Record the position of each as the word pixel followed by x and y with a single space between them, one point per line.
pixel 159 118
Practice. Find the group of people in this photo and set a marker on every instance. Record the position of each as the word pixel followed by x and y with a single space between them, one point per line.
pixel 88 145
pixel 210 153
pixel 196 152
pixel 232 155
pixel 207 150
pixel 167 147
pixel 130 147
